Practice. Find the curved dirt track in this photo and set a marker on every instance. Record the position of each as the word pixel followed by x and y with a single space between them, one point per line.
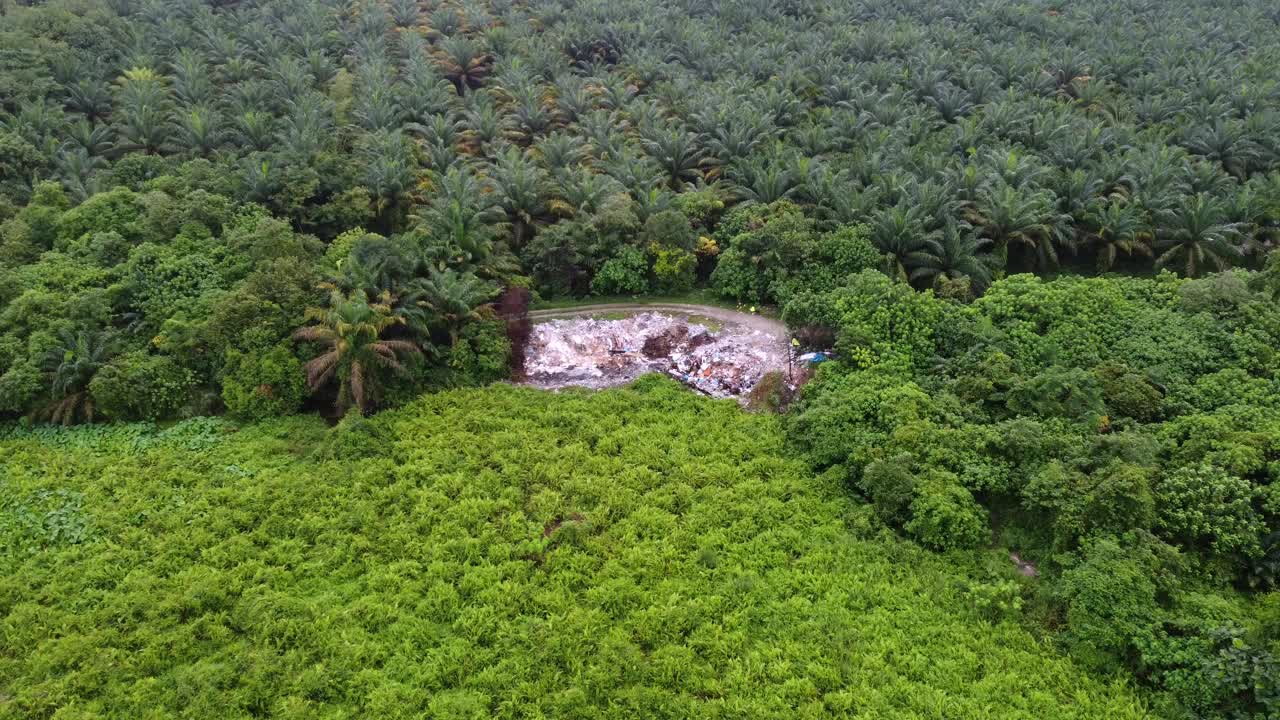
pixel 756 322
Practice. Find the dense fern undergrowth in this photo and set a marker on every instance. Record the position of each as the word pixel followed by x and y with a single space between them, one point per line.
pixel 501 552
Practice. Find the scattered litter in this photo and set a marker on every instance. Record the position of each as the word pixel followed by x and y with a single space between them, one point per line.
pixel 1025 568
pixel 586 352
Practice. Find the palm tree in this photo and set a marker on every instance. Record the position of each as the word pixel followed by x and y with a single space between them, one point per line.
pixel 389 174
pixel 356 353
pixel 144 111
pixel 77 168
pixel 1115 228
pixel 462 225
pixel 95 140
pixel 90 97
pixel 1227 143
pixel 256 129
pixel 197 131
pixel 954 253
pixel 1009 216
pixel 518 184
pixel 898 232
pixel 1197 235
pixel 451 297
pixel 676 151
pixel 69 366
pixel 464 62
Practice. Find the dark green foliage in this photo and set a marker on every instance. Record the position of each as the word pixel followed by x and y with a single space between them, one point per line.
pixel 139 386
pixel 890 485
pixel 779 252
pixel 1110 598
pixel 1119 433
pixel 482 354
pixel 1060 392
pixel 625 273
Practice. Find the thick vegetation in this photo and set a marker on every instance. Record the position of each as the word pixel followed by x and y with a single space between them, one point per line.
pixel 256 208
pixel 176 176
pixel 490 553
pixel 1122 434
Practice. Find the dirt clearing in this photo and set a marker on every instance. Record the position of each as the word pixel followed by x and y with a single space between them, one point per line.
pixel 717 352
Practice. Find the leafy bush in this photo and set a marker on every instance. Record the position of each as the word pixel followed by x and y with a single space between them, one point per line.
pixel 258 385
pixel 944 515
pixel 626 273
pixel 138 386
pixel 1128 394
pixel 482 354
pixel 1206 507
pixel 1058 392
pixel 674 269
pixel 891 485
pixel 1111 601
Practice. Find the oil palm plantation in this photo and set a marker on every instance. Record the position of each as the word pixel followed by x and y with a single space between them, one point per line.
pixel 1117 228
pixel 954 252
pixel 1197 237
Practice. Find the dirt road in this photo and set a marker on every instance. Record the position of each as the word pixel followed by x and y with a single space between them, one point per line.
pixel 755 322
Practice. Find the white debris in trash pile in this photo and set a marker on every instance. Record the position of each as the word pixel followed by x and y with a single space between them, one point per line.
pixel 587 352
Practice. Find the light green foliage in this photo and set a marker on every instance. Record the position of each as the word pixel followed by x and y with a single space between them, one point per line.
pixel 497 553
pixel 674 269
pixel 339 249
pixel 880 321
pixel 702 207
pixel 117 211
pixel 262 384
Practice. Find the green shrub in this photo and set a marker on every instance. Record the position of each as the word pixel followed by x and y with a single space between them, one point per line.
pixel 669 230
pixel 482 354
pixel 891 486
pixel 626 273
pixel 1060 392
pixel 1127 393
pixel 674 270
pixel 1111 601
pixel 257 385
pixel 944 515
pixel 1205 507
pixel 138 386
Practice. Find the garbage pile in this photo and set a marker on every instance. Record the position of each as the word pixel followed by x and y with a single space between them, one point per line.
pixel 597 353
